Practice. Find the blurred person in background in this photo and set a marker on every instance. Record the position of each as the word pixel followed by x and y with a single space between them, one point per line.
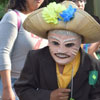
pixel 15 42
pixel 80 3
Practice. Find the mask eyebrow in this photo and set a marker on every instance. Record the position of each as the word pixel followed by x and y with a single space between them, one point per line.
pixel 72 39
pixel 54 37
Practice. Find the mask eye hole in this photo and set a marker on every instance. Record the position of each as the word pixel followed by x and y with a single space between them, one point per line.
pixel 69 45
pixel 55 43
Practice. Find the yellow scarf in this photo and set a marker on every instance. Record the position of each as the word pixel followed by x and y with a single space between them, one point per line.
pixel 65 78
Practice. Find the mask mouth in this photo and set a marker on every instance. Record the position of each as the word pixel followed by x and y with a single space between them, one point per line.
pixel 61 55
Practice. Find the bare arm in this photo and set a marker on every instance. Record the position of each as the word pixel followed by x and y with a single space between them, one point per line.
pixel 8 35
pixel 7 87
pixel 93 48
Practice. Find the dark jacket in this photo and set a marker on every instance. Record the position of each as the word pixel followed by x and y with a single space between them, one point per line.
pixel 38 78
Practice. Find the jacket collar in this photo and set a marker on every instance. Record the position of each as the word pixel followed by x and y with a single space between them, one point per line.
pixel 82 73
pixel 49 70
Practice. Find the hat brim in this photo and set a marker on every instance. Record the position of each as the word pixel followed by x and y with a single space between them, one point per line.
pixel 82 23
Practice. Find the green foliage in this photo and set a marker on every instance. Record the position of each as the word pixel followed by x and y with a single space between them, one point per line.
pixel 3 4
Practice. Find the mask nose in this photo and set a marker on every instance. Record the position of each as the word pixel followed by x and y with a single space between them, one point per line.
pixel 61 50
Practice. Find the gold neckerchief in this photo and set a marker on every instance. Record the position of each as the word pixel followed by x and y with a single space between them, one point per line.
pixel 65 78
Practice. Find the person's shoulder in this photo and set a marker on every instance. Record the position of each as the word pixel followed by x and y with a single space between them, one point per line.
pixel 93 60
pixel 39 52
pixel 95 63
pixel 89 60
pixel 10 16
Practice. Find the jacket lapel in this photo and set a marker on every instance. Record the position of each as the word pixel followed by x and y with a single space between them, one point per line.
pixel 82 74
pixel 49 70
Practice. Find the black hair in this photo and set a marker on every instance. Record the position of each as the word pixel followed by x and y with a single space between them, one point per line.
pixel 21 4
pixel 17 4
pixel 96 18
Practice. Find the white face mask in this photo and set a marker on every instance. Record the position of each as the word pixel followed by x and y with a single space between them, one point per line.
pixel 63 48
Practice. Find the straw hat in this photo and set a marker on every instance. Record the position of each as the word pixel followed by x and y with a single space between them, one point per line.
pixel 82 23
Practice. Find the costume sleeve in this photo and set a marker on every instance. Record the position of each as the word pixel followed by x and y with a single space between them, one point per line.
pixel 27 86
pixel 8 34
pixel 95 90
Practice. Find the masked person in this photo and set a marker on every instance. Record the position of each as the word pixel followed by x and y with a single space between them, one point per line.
pixel 62 70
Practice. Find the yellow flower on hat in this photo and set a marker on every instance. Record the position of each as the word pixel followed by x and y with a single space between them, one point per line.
pixel 51 12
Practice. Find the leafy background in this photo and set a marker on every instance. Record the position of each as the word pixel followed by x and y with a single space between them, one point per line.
pixel 3 4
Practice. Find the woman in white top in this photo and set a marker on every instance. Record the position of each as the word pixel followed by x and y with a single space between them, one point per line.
pixel 15 44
